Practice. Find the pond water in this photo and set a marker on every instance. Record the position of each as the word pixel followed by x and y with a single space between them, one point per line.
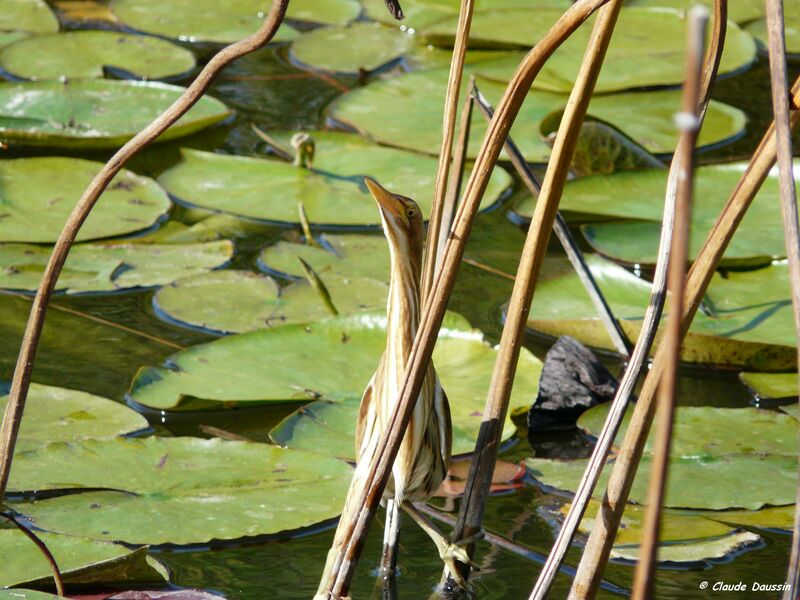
pixel 121 332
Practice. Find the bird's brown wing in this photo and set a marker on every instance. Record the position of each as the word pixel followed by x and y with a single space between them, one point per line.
pixel 363 411
pixel 445 422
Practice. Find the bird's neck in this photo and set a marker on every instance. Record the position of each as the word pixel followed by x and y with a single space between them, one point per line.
pixel 403 305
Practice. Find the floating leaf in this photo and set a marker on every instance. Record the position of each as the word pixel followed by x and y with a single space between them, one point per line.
pixel 238 301
pixel 767 386
pixel 94 113
pixel 740 11
pixel 351 255
pixel 20 594
pixel 743 338
pixel 422 13
pixel 647 49
pixel 792 410
pixel 179 490
pixel 791 15
pixel 415 122
pixel 85 53
pixel 111 267
pixel 54 414
pixel 776 517
pixel 691 552
pixel 359 47
pixel 27 15
pixel 210 21
pixel 81 561
pixel 332 192
pixel 330 359
pixel 38 194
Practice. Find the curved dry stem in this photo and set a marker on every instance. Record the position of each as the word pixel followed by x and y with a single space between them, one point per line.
pixel 33 330
pixel 643 345
pixel 353 528
pixel 57 579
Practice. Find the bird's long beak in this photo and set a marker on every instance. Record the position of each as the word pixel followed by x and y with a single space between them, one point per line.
pixel 385 199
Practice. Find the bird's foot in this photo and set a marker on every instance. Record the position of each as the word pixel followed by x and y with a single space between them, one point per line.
pixel 453 552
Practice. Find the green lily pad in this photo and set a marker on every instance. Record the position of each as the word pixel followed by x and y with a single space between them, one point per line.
pixel 54 414
pixel 37 195
pixel 640 195
pixel 33 16
pixel 791 16
pixel 775 517
pixel 20 594
pixel 744 338
pixel 692 552
pixel 179 490
pixel 85 53
pixel 792 410
pixel 94 113
pixel 422 13
pixel 647 49
pixel 771 385
pixel 9 37
pixel 346 255
pixel 81 561
pixel 415 122
pixel 741 430
pixel 239 301
pixel 359 47
pixel 740 11
pixel 111 267
pixel 332 193
pixel 210 21
pixel 351 348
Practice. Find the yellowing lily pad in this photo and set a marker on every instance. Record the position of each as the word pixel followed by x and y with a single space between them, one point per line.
pixel 85 53
pixel 94 113
pixel 238 301
pixel 54 414
pixel 330 359
pixel 33 16
pixel 647 49
pixel 332 192
pixel 179 490
pixel 747 337
pixel 81 561
pixel 415 122
pixel 37 195
pixel 771 385
pixel 111 267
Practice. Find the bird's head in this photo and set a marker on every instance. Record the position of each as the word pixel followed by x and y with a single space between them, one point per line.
pixel 401 217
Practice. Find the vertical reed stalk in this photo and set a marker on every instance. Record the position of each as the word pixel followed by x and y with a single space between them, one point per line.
pixel 688 121
pixel 481 468
pixel 649 328
pixel 598 547
pixel 22 373
pixel 336 580
pixel 433 257
pixel 568 242
pixel 780 108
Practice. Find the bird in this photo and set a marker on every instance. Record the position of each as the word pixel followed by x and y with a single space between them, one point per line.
pixel 424 455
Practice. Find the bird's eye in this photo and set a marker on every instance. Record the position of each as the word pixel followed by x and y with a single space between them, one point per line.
pixel 410 213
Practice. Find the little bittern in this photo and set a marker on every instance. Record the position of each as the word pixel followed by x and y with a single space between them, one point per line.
pixel 424 454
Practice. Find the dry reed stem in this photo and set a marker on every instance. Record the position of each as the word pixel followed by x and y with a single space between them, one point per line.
pixel 355 527
pixel 598 547
pixel 641 351
pixel 688 121
pixel 780 108
pixel 433 256
pixel 565 237
pixel 33 330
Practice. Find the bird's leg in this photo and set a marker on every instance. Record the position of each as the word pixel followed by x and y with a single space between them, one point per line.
pixel 391 534
pixel 449 552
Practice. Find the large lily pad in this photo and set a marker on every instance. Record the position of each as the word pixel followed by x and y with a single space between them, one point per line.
pixel 648 47
pixel 94 113
pixel 359 47
pixel 54 414
pixel 791 15
pixel 179 490
pixel 769 386
pixel 37 195
pixel 350 255
pixel 239 301
pixel 231 370
pixel 81 561
pixel 422 13
pixel 640 195
pixel 27 15
pixel 740 11
pixel 111 267
pixel 742 338
pixel 85 53
pixel 332 192
pixel 210 21
pixel 415 122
